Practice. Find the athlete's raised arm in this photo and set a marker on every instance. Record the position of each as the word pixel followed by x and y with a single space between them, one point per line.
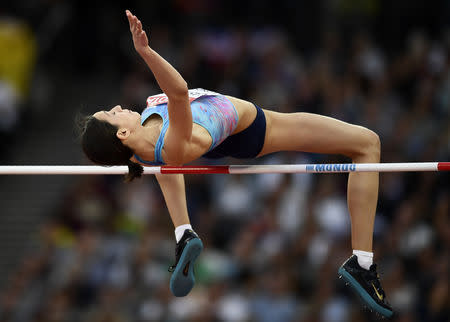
pixel 174 86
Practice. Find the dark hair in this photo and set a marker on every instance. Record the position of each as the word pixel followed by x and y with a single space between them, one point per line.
pixel 101 145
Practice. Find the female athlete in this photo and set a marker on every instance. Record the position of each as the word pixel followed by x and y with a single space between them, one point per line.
pixel 182 125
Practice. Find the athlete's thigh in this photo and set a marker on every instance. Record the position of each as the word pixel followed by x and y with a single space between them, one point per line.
pixel 312 133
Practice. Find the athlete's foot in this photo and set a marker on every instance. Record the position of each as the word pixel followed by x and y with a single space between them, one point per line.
pixel 186 252
pixel 367 285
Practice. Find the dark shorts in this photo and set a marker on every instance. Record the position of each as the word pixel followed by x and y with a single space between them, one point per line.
pixel 246 144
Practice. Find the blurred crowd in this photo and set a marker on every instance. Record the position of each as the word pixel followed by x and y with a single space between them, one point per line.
pixel 273 242
pixel 17 59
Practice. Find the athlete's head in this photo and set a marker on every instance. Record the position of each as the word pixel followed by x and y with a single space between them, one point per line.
pixel 106 137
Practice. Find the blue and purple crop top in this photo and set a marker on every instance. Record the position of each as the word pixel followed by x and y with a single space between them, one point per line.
pixel 210 110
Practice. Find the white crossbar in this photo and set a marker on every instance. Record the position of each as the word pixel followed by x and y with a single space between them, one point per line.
pixel 227 169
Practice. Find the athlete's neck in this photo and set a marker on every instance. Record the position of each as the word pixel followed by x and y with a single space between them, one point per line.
pixel 144 141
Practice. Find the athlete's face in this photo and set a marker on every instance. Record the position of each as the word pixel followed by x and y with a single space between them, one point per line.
pixel 122 118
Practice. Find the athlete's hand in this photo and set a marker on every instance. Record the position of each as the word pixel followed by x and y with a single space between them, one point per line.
pixel 140 39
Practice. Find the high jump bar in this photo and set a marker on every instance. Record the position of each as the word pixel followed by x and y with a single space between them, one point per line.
pixel 227 169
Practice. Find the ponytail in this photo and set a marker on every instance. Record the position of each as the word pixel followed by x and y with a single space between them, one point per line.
pixel 135 170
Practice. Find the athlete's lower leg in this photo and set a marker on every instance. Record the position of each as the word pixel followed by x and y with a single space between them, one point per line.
pixel 362 194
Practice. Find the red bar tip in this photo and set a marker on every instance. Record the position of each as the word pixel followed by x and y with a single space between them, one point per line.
pixel 443 166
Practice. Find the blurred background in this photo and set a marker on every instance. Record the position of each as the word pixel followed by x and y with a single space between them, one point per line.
pixel 91 248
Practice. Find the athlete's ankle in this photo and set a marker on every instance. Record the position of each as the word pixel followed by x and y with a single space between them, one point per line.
pixel 179 231
pixel 365 259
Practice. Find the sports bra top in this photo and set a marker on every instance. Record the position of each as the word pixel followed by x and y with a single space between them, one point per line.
pixel 212 111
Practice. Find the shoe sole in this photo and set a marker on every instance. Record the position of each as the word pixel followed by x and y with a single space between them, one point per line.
pixel 183 279
pixel 363 294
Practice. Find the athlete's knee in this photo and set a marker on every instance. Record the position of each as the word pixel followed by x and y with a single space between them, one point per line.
pixel 373 144
pixel 370 148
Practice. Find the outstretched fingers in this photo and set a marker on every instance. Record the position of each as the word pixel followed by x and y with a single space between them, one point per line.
pixel 140 39
pixel 135 23
pixel 132 19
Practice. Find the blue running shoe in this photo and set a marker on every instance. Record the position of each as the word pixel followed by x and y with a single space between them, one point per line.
pixel 186 252
pixel 367 285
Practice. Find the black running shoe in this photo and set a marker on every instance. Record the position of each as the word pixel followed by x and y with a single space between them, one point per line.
pixel 186 252
pixel 367 285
